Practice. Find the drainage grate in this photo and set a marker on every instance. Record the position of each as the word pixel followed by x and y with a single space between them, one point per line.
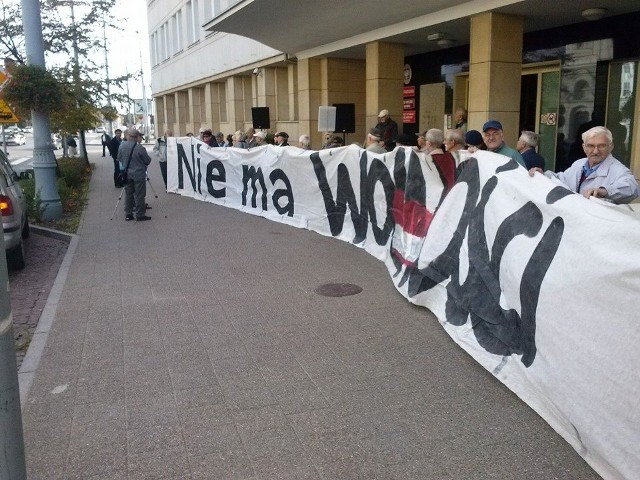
pixel 338 289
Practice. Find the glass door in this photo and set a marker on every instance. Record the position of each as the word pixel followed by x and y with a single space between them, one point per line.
pixel 621 99
pixel 539 103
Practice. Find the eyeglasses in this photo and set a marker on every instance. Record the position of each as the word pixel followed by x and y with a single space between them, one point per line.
pixel 600 146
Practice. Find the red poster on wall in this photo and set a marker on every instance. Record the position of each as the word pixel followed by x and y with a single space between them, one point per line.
pixel 409 104
pixel 409 116
pixel 409 91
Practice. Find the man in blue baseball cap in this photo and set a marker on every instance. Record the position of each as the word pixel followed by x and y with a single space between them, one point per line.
pixel 493 137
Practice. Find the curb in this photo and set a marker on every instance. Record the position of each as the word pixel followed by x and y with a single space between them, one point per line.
pixel 38 341
pixel 48 232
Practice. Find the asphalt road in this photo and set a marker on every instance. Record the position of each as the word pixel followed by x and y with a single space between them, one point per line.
pixel 20 156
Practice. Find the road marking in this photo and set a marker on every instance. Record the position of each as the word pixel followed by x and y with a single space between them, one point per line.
pixel 20 160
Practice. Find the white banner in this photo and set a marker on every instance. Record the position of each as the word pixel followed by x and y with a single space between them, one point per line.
pixel 538 284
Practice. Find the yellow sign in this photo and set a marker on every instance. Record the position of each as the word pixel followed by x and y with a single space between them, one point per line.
pixel 4 79
pixel 6 114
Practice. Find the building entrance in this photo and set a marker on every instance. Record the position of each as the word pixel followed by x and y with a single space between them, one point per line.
pixel 539 105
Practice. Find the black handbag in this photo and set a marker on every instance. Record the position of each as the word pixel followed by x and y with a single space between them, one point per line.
pixel 122 174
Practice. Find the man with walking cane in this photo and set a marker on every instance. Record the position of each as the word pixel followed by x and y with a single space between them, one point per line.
pixel 133 159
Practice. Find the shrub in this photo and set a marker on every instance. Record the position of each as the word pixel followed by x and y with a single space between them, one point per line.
pixel 73 183
pixel 73 170
pixel 34 204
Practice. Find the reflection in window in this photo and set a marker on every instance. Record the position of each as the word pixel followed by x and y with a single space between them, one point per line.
pixel 581 89
pixel 620 104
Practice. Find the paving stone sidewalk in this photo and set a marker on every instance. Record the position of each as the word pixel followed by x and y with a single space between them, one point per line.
pixel 30 287
pixel 194 346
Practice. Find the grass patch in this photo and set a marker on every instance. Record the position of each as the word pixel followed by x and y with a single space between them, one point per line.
pixel 73 177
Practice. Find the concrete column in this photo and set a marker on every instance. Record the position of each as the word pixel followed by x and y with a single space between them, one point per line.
pixel 247 97
pixel 495 71
pixel 160 118
pixel 235 102
pixel 196 109
pixel 309 98
pixel 265 84
pixel 292 85
pixel 343 81
pixel 207 108
pixel 282 95
pixel 170 114
pixel 182 112
pixel 384 81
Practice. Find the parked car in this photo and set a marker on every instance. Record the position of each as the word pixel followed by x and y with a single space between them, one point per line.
pixel 100 129
pixel 13 209
pixel 56 140
pixel 28 129
pixel 14 138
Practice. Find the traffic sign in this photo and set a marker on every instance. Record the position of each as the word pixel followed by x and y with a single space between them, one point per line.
pixel 5 78
pixel 6 114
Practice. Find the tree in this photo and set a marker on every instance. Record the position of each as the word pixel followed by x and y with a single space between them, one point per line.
pixel 69 32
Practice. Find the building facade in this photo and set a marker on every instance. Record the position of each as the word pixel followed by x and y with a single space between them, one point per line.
pixel 552 67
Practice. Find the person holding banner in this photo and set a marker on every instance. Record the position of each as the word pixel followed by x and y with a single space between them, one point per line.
pixel 160 150
pixel 598 174
pixel 493 137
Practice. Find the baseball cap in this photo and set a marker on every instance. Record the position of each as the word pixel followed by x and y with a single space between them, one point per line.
pixel 492 124
pixel 473 137
pixel 383 113
pixel 282 134
pixel 261 135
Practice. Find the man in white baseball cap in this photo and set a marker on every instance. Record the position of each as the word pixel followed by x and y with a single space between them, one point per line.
pixel 388 128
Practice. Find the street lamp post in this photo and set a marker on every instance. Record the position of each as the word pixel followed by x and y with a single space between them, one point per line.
pixel 44 161
pixel 106 68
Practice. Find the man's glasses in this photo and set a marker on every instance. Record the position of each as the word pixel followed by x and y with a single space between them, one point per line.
pixel 600 146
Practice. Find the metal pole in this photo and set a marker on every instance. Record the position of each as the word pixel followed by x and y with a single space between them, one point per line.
pixel 4 141
pixel 129 116
pixel 106 68
pixel 145 108
pixel 76 76
pixel 12 462
pixel 44 161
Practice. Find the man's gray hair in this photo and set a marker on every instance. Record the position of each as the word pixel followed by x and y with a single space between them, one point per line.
pixel 132 133
pixel 456 135
pixel 592 132
pixel 435 136
pixel 530 138
pixel 304 141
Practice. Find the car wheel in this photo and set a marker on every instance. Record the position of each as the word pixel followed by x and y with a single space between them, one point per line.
pixel 15 257
pixel 26 231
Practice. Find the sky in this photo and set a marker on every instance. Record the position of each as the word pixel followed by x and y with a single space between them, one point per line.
pixel 125 47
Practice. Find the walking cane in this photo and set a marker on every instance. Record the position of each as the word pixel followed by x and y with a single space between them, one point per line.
pixel 117 203
pixel 151 185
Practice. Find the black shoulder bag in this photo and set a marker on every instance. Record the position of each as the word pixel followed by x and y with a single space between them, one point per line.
pixel 122 175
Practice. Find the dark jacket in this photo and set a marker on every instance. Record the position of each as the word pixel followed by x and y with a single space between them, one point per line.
pixel 114 146
pixel 532 159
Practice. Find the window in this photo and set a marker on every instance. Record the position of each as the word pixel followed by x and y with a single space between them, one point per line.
pixel 176 33
pixel 193 22
pixel 620 107
pixel 219 6
pixel 208 10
